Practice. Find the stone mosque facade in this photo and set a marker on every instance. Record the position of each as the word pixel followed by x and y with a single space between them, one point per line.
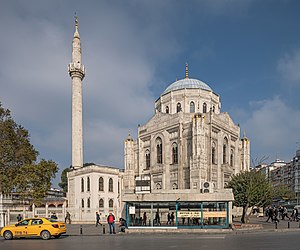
pixel 187 143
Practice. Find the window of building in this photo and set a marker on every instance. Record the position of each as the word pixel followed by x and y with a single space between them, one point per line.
pixel 111 203
pixel 167 110
pixel 192 107
pixel 82 203
pixel 101 184
pixel 231 158
pixel 175 153
pixel 178 107
pixel 82 185
pixel 225 150
pixel 88 202
pixel 175 186
pixel 101 203
pixel 213 109
pixel 88 184
pixel 110 185
pixel 147 159
pixel 158 186
pixel 213 154
pixel 204 107
pixel 159 150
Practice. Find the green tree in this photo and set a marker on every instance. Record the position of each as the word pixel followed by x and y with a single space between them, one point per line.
pixel 250 189
pixel 64 180
pixel 19 171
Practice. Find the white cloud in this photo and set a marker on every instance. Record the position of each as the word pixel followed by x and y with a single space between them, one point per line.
pixel 273 129
pixel 289 66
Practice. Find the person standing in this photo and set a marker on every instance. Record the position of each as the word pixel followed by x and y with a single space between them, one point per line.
pixel 270 213
pixel 144 219
pixel 172 218
pixel 19 217
pixel 111 223
pixel 97 219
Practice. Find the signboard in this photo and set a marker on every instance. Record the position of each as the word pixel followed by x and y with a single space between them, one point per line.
pixel 197 214
pixel 131 210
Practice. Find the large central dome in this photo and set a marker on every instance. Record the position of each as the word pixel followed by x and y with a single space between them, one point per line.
pixel 187 83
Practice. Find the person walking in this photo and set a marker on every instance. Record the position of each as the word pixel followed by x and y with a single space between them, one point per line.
pixel 111 223
pixel 19 217
pixel 270 213
pixel 144 219
pixel 68 218
pixel 285 213
pixel 97 219
pixel 172 218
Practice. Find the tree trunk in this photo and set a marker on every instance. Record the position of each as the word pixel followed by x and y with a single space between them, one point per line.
pixel 245 208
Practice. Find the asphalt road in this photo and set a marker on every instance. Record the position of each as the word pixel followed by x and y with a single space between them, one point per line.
pixel 244 241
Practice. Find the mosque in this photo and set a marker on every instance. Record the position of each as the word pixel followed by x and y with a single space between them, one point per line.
pixel 179 164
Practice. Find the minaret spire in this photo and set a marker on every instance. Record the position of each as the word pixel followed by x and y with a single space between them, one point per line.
pixel 186 70
pixel 77 72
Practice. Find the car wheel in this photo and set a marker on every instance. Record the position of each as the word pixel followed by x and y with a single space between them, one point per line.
pixel 8 235
pixel 56 236
pixel 45 235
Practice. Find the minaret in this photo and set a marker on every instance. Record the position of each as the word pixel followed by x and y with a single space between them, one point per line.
pixel 77 73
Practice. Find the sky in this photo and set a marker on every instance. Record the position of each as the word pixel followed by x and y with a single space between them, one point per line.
pixel 247 51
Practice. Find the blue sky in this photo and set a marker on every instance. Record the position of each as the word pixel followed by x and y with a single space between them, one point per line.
pixel 247 51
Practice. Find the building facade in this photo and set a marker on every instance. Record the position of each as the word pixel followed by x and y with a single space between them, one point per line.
pixel 188 142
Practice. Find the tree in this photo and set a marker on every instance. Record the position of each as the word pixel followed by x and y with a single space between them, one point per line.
pixel 64 179
pixel 19 171
pixel 250 189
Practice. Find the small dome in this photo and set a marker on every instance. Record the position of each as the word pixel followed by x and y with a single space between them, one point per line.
pixel 187 83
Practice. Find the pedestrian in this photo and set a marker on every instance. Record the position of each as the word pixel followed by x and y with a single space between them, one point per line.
pixel 68 218
pixel 19 217
pixel 53 216
pixel 168 219
pixel 285 213
pixel 157 219
pixel 97 219
pixel 275 214
pixel 144 219
pixel 172 217
pixel 270 213
pixel 111 223
pixel 294 215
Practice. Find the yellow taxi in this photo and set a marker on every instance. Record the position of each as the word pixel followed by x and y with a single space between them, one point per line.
pixel 34 227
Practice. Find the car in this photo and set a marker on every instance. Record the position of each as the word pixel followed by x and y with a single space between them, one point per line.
pixel 34 227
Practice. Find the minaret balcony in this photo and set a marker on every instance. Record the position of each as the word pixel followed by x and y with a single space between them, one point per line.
pixel 76 70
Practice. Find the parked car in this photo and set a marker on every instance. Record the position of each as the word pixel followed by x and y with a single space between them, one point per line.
pixel 34 227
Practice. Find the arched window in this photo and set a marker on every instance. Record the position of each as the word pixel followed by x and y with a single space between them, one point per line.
pixel 174 153
pixel 147 159
pixel 159 150
pixel 213 154
pixel 178 107
pixel 82 185
pixel 192 107
pixel 111 203
pixel 110 185
pixel 82 203
pixel 213 109
pixel 88 202
pixel 158 186
pixel 225 150
pixel 88 184
pixel 231 158
pixel 101 203
pixel 174 186
pixel 167 110
pixel 204 107
pixel 101 184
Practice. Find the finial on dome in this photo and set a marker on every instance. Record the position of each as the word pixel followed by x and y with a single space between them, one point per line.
pixel 186 70
pixel 76 20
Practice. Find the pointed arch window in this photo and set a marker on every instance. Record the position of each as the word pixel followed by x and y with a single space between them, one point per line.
pixel 225 145
pixel 82 185
pixel 204 107
pixel 88 184
pixel 110 185
pixel 88 202
pixel 158 186
pixel 178 108
pixel 213 109
pixel 159 150
pixel 175 186
pixel 101 203
pixel 147 159
pixel 192 107
pixel 111 203
pixel 82 203
pixel 101 184
pixel 167 110
pixel 174 153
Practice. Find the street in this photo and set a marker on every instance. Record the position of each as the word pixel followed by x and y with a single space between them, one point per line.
pixel 259 240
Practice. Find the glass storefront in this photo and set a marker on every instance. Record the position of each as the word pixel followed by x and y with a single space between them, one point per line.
pixel 177 214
